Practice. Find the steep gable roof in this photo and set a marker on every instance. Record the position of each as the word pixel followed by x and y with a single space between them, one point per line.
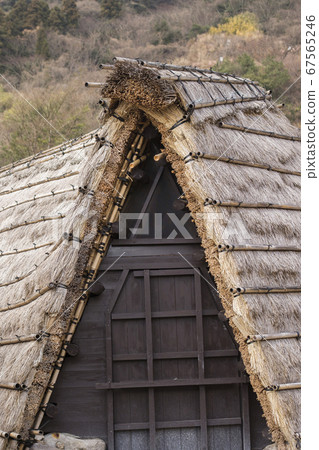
pixel 236 157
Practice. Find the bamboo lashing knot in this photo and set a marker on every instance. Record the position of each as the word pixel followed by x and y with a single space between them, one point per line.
pixel 185 118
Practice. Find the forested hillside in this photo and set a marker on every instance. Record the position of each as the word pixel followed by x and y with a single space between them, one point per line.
pixel 49 48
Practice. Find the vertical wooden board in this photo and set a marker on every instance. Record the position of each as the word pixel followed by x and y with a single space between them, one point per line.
pixel 218 367
pixel 131 298
pixel 128 336
pixel 130 405
pixel 216 336
pixel 164 335
pixel 223 401
pixel 176 404
pixel 225 438
pixel 171 369
pixel 207 286
pixel 166 293
pixel 184 292
pixel 129 371
pixel 259 433
pixel 132 440
pixel 186 334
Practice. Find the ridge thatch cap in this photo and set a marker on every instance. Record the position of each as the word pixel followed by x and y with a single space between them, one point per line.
pixel 138 86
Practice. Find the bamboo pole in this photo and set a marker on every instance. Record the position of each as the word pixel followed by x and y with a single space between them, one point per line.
pixel 259 132
pixel 57 149
pixel 47 180
pixel 4 434
pixel 15 436
pixel 273 336
pixel 159 156
pixel 37 432
pixel 54 155
pixel 193 155
pixel 21 339
pixel 162 66
pixel 236 204
pixel 229 101
pixel 137 162
pixel 35 197
pixel 259 248
pixel 12 386
pixel 35 247
pixel 282 387
pixel 29 300
pixel 204 78
pixel 31 222
pixel 265 290
pixel 91 84
pixel 106 66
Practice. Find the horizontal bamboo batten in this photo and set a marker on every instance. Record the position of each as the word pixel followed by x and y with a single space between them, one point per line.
pixel 16 251
pixel 92 84
pixel 11 434
pixel 282 387
pixel 55 150
pixel 13 386
pixel 24 302
pixel 193 78
pixel 160 66
pixel 228 101
pixel 39 197
pixel 265 290
pixel 31 222
pixel 197 155
pixel 259 132
pixel 235 204
pixel 47 180
pixel 20 339
pixel 45 158
pixel 270 337
pixel 122 186
pixel 258 248
pixel 4 434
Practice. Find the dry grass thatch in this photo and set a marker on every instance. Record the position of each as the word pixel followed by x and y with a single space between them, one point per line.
pixel 42 209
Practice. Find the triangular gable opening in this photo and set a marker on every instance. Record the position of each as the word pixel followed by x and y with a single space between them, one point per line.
pixel 157 366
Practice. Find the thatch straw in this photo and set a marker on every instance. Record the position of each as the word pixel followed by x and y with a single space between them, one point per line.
pixel 126 81
pixel 99 166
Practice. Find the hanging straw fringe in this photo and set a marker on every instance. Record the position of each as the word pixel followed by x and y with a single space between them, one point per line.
pixel 16 251
pixel 210 201
pixel 268 337
pixel 265 290
pixel 282 387
pixel 39 197
pixel 259 248
pixel 259 132
pixel 20 339
pixel 194 156
pixel 47 180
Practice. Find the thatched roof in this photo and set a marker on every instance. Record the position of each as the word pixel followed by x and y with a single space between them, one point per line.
pixel 236 157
